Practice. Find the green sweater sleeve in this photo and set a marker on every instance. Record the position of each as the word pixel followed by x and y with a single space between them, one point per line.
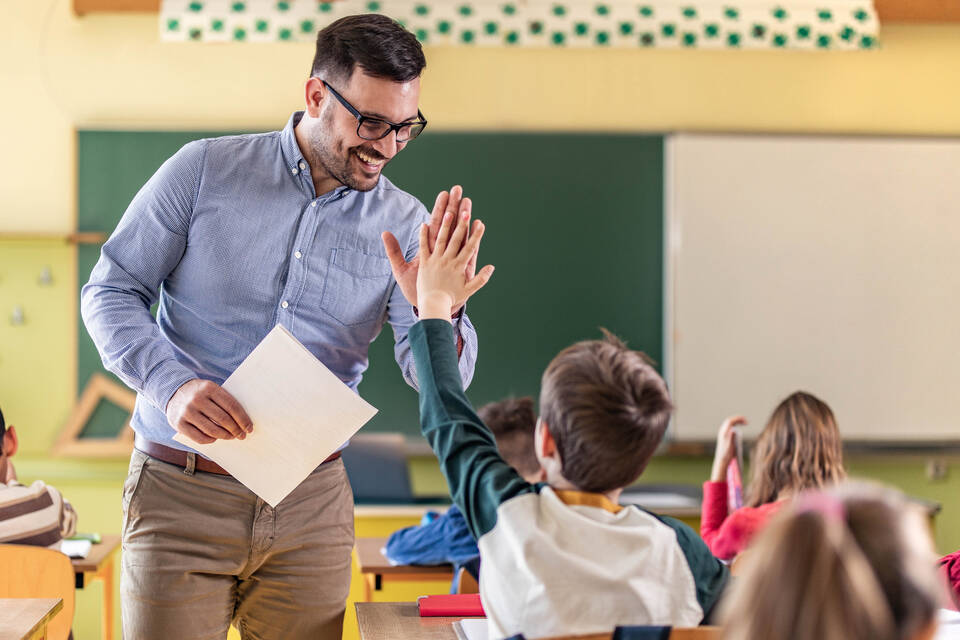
pixel 709 574
pixel 477 475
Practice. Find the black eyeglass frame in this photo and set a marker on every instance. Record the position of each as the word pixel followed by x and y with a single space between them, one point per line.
pixel 393 127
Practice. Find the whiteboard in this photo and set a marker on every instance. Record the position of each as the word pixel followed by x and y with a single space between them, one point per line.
pixel 825 264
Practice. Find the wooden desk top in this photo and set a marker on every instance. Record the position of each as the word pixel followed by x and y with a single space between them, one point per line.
pixel 371 560
pixel 401 621
pixel 22 617
pixel 98 553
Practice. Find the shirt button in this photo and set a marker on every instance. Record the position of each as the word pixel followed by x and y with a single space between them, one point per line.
pixel 294 171
pixel 313 204
pixel 303 166
pixel 298 255
pixel 284 304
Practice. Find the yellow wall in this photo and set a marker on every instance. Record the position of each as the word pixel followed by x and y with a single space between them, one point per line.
pixel 61 72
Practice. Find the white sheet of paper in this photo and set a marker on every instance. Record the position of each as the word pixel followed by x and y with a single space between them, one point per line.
pixel 75 548
pixel 949 628
pixel 301 414
pixel 471 629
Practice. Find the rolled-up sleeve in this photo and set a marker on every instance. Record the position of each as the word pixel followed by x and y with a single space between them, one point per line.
pixel 144 249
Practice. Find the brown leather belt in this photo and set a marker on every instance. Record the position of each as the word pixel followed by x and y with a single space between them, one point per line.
pixel 179 458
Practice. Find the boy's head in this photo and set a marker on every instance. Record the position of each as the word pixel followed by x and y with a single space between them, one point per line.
pixel 604 410
pixel 851 563
pixel 513 422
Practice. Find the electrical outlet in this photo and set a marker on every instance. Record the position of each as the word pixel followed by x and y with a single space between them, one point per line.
pixel 937 470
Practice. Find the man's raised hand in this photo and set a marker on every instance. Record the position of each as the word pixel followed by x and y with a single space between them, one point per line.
pixel 405 272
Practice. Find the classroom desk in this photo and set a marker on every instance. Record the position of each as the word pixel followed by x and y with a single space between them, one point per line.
pixel 99 565
pixel 374 567
pixel 401 621
pixel 27 618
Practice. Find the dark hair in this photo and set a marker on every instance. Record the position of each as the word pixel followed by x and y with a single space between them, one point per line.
pixel 3 426
pixel 376 43
pixel 512 422
pixel 607 409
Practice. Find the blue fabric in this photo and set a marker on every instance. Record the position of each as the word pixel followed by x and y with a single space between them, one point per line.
pixel 230 238
pixel 646 632
pixel 446 539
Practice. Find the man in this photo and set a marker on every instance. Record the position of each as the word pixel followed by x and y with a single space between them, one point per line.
pixel 35 515
pixel 233 235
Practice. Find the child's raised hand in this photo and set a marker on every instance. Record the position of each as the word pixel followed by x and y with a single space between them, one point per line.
pixel 443 279
pixel 725 448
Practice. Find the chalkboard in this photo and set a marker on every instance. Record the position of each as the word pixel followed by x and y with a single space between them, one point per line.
pixel 574 227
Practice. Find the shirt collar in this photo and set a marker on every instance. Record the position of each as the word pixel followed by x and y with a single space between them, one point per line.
pixel 293 156
pixel 587 499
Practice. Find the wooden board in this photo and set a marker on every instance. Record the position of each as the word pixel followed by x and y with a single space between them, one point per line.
pixel 98 389
pixel 80 7
pixel 918 10
pixel 370 560
pixel 400 621
pixel 98 553
pixel 23 618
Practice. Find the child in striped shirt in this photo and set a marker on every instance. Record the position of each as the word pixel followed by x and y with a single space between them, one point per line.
pixel 35 515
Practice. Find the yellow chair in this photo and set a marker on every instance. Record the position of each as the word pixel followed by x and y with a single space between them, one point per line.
pixel 38 572
pixel 466 583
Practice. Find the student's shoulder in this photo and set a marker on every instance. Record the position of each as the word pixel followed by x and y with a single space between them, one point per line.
pixel 687 539
pixel 17 492
pixel 748 518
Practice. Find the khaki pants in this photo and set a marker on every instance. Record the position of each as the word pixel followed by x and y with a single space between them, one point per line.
pixel 201 550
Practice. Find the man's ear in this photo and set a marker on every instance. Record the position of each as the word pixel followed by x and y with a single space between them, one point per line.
pixel 315 92
pixel 10 442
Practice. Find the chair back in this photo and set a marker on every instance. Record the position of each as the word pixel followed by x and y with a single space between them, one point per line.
pixel 465 582
pixel 39 572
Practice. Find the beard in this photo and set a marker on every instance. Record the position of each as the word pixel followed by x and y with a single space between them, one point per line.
pixel 341 162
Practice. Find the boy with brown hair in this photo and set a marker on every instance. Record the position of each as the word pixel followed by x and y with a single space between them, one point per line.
pixel 443 539
pixel 561 557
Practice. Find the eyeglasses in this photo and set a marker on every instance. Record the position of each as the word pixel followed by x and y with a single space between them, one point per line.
pixel 374 128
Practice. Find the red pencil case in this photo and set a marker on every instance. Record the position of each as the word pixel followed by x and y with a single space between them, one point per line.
pixel 459 604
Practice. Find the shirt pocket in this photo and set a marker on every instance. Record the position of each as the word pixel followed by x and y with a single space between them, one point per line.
pixel 356 288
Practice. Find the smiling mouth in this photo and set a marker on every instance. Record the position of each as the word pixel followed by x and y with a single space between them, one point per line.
pixel 368 162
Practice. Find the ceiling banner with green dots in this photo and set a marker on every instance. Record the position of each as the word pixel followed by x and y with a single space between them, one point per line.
pixel 707 24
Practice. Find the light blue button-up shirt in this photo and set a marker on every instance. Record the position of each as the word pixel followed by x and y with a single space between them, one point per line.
pixel 231 238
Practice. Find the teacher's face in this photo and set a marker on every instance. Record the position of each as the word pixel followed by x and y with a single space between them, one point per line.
pixel 336 145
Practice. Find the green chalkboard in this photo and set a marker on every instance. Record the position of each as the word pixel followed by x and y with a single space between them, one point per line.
pixel 574 227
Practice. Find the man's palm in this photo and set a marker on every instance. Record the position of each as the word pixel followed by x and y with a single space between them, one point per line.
pixel 406 272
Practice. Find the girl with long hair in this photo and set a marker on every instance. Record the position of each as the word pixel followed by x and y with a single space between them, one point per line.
pixel 799 449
